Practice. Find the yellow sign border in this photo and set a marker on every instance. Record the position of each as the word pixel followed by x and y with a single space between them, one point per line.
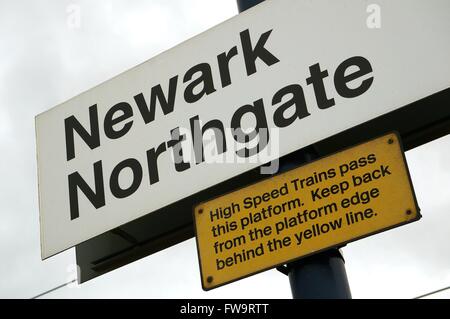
pixel 416 209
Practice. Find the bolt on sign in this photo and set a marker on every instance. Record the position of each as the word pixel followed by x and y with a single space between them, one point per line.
pixel 352 194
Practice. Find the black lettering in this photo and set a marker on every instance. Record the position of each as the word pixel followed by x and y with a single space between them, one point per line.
pixel 251 54
pixel 341 80
pixel 315 194
pixel 385 170
pixel 97 197
pixel 175 143
pixel 297 99
pixel 261 128
pixel 152 162
pixel 316 79
pixel 223 60
pixel 197 135
pixel 136 168
pixel 205 78
pixel 91 139
pixel 156 94
pixel 110 121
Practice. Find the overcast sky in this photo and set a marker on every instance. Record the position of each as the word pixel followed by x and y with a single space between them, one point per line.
pixel 47 58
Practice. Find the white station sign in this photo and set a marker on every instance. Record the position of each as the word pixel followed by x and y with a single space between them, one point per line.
pixel 196 115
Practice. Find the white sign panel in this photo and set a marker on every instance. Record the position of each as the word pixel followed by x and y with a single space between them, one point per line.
pixel 305 70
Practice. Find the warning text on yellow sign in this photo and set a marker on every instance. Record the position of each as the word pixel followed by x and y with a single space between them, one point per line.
pixel 343 197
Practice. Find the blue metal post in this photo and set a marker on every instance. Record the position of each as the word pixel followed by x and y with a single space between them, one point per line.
pixel 246 4
pixel 320 276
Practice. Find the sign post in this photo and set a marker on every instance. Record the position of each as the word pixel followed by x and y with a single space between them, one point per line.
pixel 320 276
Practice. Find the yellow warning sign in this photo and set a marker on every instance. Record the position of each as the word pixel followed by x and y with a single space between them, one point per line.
pixel 337 199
